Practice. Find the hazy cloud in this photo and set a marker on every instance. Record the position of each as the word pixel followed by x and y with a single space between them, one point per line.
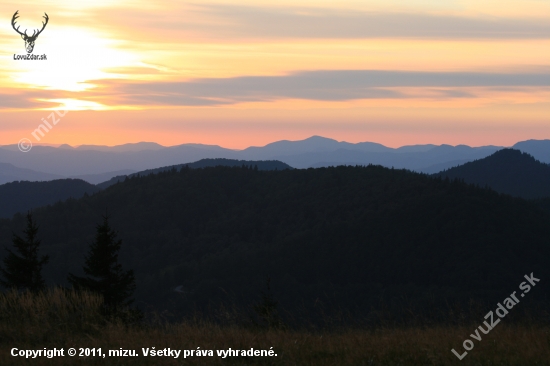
pixel 267 22
pixel 255 22
pixel 337 85
pixel 132 70
pixel 28 99
pixel 334 85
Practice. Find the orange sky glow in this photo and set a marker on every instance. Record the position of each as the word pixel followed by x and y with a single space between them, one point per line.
pixel 236 73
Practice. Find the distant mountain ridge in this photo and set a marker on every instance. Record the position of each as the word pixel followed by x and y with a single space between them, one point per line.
pixel 92 161
pixel 507 171
pixel 11 173
pixel 132 147
pixel 540 149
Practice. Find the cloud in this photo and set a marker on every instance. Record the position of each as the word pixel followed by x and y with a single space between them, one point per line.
pixel 220 21
pixel 173 22
pixel 334 85
pixel 324 85
pixel 320 23
pixel 28 99
pixel 141 70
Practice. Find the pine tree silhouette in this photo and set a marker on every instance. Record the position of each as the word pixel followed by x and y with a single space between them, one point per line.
pixel 23 271
pixel 266 309
pixel 104 274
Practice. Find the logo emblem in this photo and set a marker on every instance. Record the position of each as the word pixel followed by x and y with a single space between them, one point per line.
pixel 29 40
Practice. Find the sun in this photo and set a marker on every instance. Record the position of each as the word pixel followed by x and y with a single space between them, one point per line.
pixel 74 58
pixel 68 104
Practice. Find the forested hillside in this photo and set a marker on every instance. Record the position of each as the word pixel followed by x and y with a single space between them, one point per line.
pixel 348 240
pixel 22 196
pixel 506 171
pixel 204 163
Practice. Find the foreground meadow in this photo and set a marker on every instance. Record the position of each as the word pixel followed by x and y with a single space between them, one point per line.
pixel 61 319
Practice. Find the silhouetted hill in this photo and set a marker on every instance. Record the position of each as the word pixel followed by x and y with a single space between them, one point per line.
pixel 103 177
pixel 543 203
pixel 20 196
pixel 352 240
pixel 10 173
pixel 506 171
pixel 203 163
pixel 23 196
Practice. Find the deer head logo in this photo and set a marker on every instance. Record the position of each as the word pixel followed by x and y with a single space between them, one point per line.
pixel 29 40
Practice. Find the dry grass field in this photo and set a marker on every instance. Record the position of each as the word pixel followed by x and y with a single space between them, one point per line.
pixel 60 319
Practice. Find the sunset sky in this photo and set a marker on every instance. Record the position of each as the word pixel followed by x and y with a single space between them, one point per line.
pixel 237 73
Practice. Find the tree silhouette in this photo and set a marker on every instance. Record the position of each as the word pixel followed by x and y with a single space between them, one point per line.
pixel 104 274
pixel 266 309
pixel 23 271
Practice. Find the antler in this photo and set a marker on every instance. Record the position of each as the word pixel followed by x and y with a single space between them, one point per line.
pixel 43 25
pixel 34 34
pixel 15 16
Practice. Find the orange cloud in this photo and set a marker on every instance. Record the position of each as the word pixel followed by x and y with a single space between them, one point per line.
pixel 238 73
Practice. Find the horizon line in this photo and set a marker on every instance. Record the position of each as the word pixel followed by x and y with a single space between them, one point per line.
pixel 58 145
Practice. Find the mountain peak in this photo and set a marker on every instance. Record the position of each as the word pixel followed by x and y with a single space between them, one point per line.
pixel 129 147
pixel 318 138
pixel 508 171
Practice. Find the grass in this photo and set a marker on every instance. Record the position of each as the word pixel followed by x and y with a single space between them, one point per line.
pixel 63 319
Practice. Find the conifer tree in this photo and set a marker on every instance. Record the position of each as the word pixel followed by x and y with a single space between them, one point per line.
pixel 23 271
pixel 104 274
pixel 267 310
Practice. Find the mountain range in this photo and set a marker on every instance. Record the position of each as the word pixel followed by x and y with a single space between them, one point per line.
pixel 11 173
pixel 96 164
pixel 331 239
pixel 361 241
pixel 507 171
